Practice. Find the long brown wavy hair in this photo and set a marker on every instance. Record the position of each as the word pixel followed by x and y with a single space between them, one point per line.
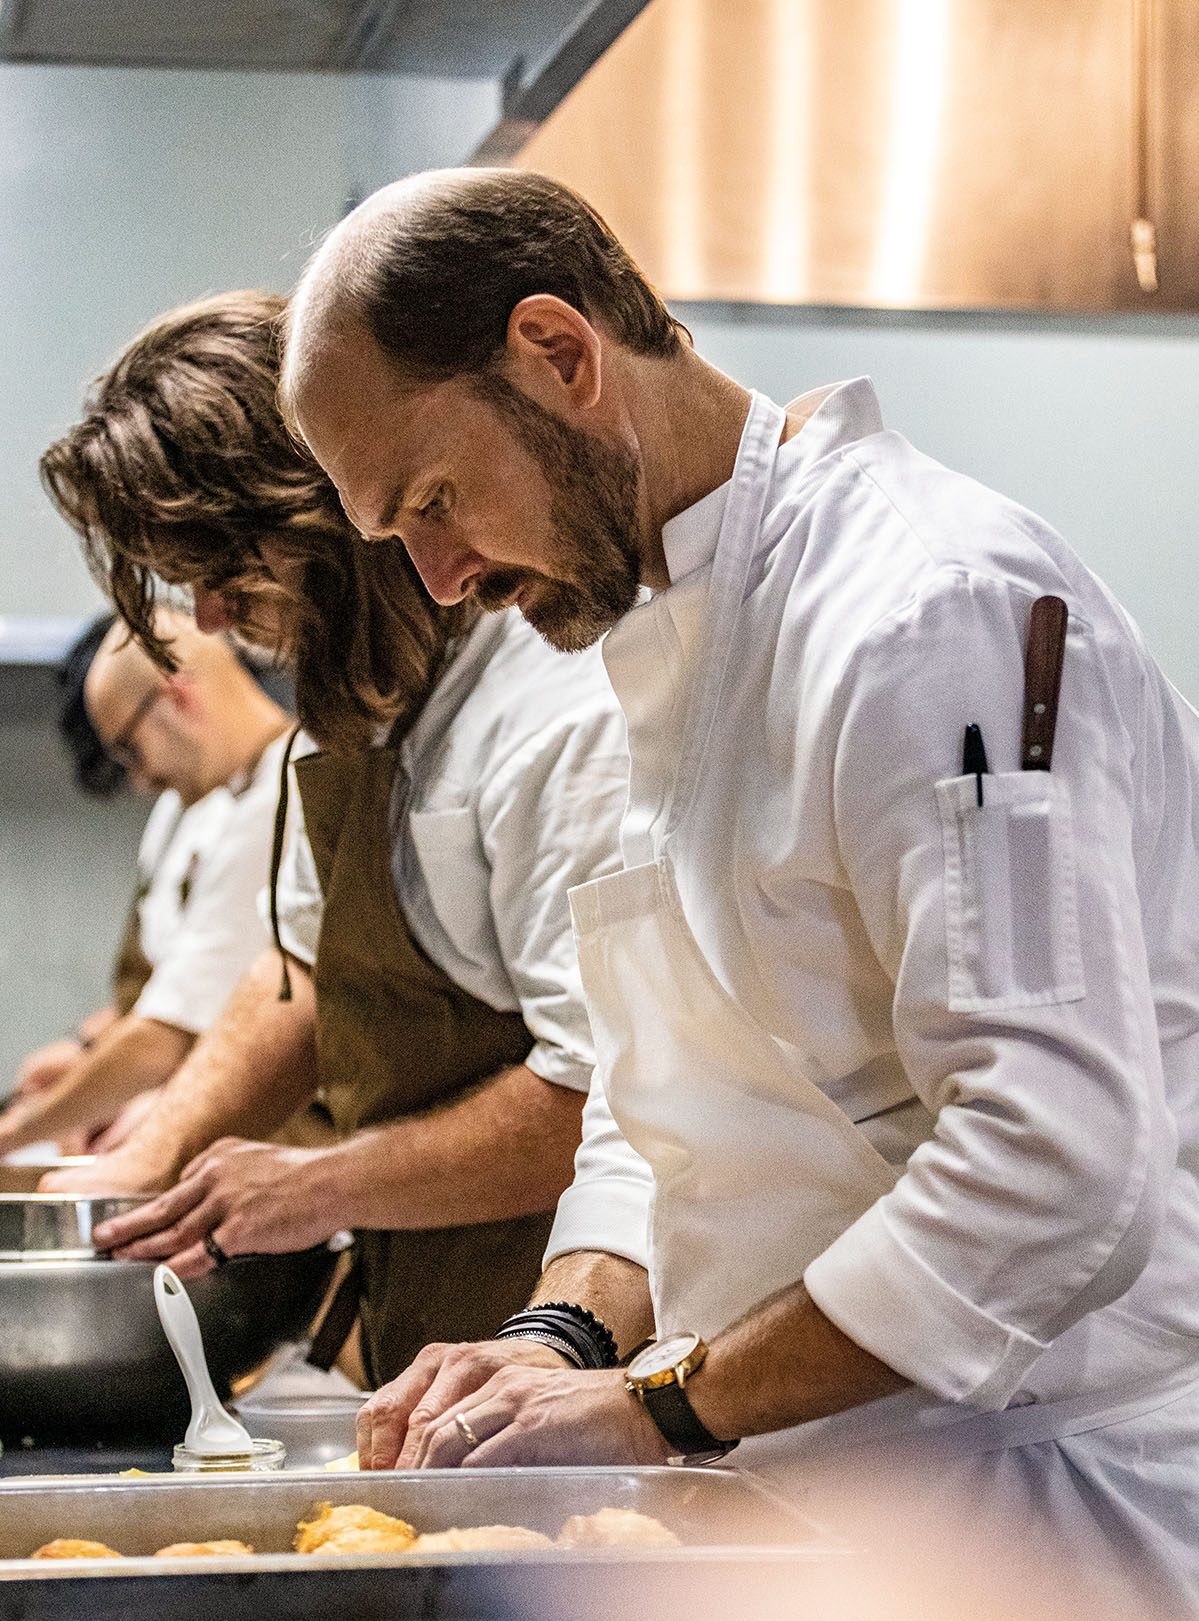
pixel 181 471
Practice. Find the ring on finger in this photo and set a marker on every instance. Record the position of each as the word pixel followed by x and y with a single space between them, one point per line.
pixel 463 1425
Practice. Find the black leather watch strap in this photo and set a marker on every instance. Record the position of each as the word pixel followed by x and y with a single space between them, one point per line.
pixel 670 1408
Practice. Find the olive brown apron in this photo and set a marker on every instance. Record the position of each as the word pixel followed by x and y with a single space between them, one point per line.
pixel 131 968
pixel 395 1035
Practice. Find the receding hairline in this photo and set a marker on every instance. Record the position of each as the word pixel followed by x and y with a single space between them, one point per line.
pixel 321 311
pixel 121 662
pixel 319 300
pixel 342 250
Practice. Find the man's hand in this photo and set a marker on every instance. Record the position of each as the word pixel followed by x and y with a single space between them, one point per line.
pixel 392 1424
pixel 45 1067
pixel 253 1198
pixel 126 1123
pixel 24 1121
pixel 17 1126
pixel 543 1416
pixel 124 1171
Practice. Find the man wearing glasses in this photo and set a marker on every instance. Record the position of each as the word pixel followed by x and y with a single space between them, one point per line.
pixel 208 742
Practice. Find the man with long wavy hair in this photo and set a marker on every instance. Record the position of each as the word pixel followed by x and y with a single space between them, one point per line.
pixel 466 775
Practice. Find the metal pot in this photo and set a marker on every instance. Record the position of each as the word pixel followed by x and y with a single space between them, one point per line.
pixel 54 1226
pixel 81 1348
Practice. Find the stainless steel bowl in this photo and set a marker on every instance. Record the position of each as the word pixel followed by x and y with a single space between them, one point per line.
pixel 54 1226
pixel 82 1352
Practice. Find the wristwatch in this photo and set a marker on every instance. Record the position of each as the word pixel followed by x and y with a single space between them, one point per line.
pixel 656 1376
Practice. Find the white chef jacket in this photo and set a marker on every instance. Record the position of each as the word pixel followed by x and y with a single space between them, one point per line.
pixel 1037 1080
pixel 511 785
pixel 200 871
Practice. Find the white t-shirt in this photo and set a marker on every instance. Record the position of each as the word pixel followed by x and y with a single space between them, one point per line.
pixel 201 870
pixel 511 786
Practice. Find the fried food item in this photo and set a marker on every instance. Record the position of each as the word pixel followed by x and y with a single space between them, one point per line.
pixel 615 1528
pixel 461 1540
pixel 358 1540
pixel 352 1528
pixel 74 1548
pixel 189 1550
pixel 342 1465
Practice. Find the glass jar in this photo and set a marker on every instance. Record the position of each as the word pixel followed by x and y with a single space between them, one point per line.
pixel 266 1456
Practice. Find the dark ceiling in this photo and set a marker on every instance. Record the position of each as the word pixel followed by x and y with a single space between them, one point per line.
pixel 539 49
pixel 459 38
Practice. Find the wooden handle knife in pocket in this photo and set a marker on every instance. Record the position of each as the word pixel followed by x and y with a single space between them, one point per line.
pixel 1042 682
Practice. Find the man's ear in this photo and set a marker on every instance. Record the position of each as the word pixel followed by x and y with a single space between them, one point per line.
pixel 183 695
pixel 554 353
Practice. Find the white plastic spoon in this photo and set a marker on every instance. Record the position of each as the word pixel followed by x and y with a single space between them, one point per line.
pixel 212 1432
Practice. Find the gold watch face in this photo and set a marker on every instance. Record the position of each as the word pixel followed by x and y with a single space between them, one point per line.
pixel 658 1363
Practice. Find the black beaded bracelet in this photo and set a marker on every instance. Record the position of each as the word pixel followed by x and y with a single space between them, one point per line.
pixel 589 1337
pixel 596 1331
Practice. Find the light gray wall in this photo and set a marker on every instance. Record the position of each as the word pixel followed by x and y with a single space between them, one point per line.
pixel 123 192
pixel 1095 425
pixel 66 877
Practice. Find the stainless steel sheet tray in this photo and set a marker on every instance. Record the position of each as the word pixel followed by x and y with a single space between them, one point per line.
pixel 744 1548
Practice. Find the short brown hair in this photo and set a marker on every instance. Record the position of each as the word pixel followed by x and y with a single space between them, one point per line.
pixel 435 282
pixel 182 467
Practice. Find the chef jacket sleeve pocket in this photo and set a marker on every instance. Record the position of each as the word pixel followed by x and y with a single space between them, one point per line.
pixel 1011 892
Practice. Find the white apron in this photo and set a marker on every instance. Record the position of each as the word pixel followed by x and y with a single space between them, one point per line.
pixel 756 1170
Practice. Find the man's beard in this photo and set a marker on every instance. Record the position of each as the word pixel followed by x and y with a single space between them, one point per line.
pixel 596 560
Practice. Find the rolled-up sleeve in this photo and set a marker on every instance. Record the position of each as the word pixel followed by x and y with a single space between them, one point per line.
pixel 1023 1009
pixel 548 820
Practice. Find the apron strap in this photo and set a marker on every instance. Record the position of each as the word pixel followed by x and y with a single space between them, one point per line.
pixel 338 1322
pixel 735 548
pixel 1037 1422
pixel 276 865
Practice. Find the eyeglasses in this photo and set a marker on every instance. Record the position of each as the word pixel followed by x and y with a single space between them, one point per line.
pixel 122 748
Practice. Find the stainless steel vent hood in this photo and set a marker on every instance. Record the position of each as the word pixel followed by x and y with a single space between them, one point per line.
pixel 953 154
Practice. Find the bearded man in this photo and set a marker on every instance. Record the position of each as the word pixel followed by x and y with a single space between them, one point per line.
pixel 904 1023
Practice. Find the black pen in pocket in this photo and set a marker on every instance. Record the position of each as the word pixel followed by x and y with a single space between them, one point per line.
pixel 974 758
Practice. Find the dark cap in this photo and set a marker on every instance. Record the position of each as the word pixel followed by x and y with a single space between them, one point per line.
pixel 95 773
